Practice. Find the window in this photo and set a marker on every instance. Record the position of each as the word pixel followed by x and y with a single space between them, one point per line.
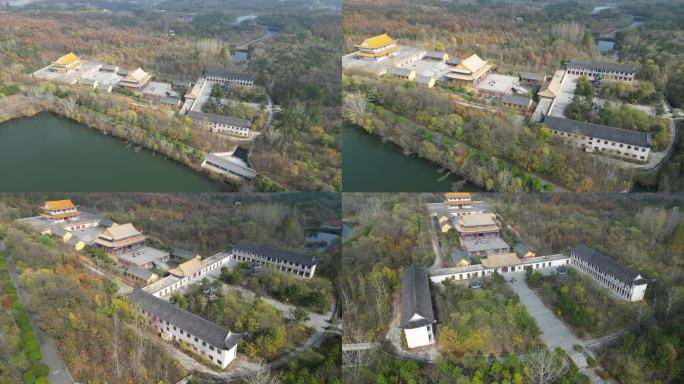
pixel 211 347
pixel 196 340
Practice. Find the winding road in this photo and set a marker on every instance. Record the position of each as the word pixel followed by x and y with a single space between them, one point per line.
pixel 59 373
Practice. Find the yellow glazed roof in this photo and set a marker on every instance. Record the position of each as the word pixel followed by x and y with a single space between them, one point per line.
pixel 67 59
pixel 376 42
pixel 59 204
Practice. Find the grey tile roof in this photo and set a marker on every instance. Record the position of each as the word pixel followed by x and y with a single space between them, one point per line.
pixel 435 55
pixel 275 253
pixel 108 68
pixel 219 119
pixel 522 101
pixel 605 263
pixel 486 244
pixel 230 75
pixel 106 223
pixel 58 231
pixel 232 164
pixel 415 298
pixel 620 135
pixel 204 329
pixel 139 272
pixel 521 249
pixel 458 255
pixel 532 76
pixel 454 61
pixel 599 66
pixel 397 71
pixel 183 253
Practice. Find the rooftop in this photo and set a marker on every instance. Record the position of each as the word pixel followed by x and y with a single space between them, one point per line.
pixel 204 329
pixel 142 256
pixel 232 164
pixel 522 101
pixel 278 254
pixel 376 42
pixel 478 219
pixel 620 135
pixel 601 66
pixel 67 59
pixel 499 260
pixel 121 231
pixel 52 205
pixel 605 263
pixel 497 83
pixel 533 76
pixel 140 273
pixel 219 119
pixel 230 75
pixel 485 244
pixel 416 299
pixel 521 249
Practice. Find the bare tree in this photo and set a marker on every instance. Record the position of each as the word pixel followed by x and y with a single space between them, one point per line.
pixel 353 361
pixel 669 301
pixel 116 339
pixel 545 366
pixel 354 106
pixel 262 376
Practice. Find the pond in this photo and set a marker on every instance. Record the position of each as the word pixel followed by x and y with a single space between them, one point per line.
pixel 49 153
pixel 319 239
pixel 369 165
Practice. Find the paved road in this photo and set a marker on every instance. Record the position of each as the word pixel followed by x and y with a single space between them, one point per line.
pixel 554 332
pixel 59 374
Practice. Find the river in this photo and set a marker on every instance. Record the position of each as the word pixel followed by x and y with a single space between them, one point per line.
pixel 369 165
pixel 49 153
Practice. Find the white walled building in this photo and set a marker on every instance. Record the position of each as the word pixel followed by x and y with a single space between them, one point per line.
pixel 171 323
pixel 479 270
pixel 417 317
pixel 229 78
pixel 625 282
pixel 612 71
pixel 222 124
pixel 591 137
pixel 187 273
pixel 299 264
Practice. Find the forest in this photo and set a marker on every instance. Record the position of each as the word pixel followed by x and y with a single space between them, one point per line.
pixel 302 73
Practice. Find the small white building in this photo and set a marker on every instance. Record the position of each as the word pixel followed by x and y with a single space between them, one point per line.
pixel 417 318
pixel 299 264
pixel 171 323
pixel 625 282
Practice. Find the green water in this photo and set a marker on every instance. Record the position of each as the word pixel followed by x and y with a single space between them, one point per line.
pixel 370 165
pixel 49 153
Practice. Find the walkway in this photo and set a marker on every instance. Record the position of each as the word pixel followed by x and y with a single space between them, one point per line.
pixel 554 332
pixel 59 374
